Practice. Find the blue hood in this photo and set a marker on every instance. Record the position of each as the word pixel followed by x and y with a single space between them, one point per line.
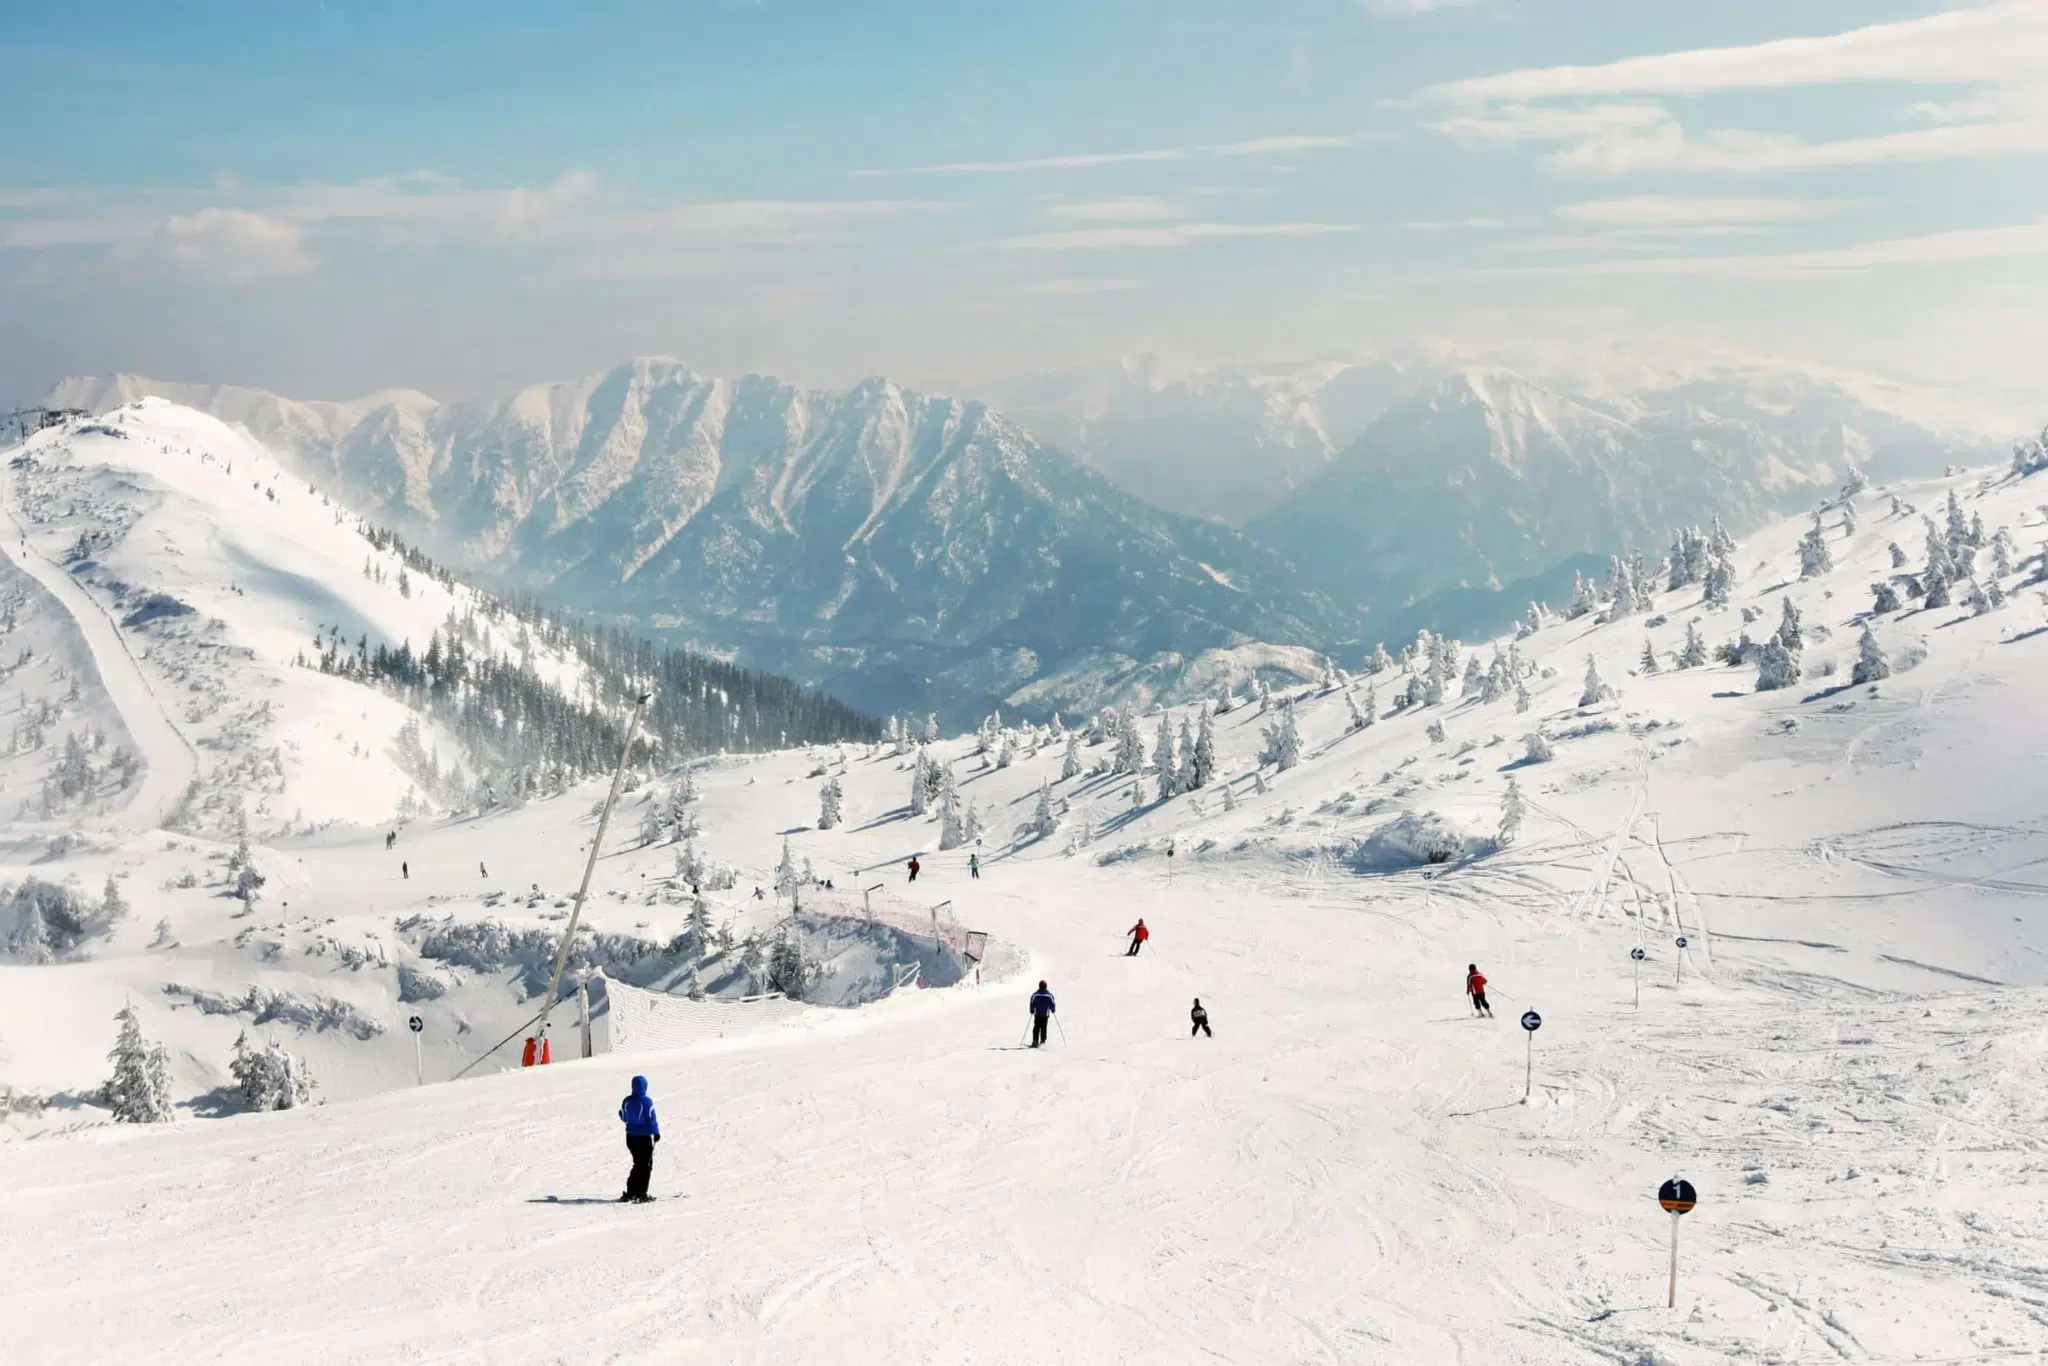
pixel 639 1086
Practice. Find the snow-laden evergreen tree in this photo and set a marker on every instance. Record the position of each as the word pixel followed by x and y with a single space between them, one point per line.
pixel 1184 780
pixel 1530 624
pixel 1380 662
pixel 786 879
pixel 952 819
pixel 2002 550
pixel 971 826
pixel 1935 585
pixel 1435 731
pixel 650 823
pixel 1474 681
pixel 1848 520
pixel 140 1090
pixel 1791 632
pixel 1537 748
pixel 931 729
pixel 1585 597
pixel 829 797
pixel 1976 531
pixel 1372 702
pixel 1059 727
pixel 1511 813
pixel 1815 559
pixel 1976 599
pixel 1129 759
pixel 1283 742
pixel 1521 696
pixel 269 1078
pixel 1358 721
pixel 788 971
pixel 1621 594
pixel 1070 766
pixel 1596 690
pixel 1717 585
pixel 1855 482
pixel 1649 664
pixel 1005 748
pixel 1259 781
pixel 1957 535
pixel 1695 652
pixel 696 934
pixel 1229 798
pixel 1776 666
pixel 2030 457
pixel 1898 556
pixel 112 904
pixel 1887 598
pixel 243 879
pixel 1044 820
pixel 1499 677
pixel 1101 726
pixel 1165 760
pixel 920 788
pixel 1203 771
pixel 1871 664
pixel 1994 594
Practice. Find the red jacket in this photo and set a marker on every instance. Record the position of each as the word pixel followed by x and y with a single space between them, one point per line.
pixel 1475 983
pixel 1139 932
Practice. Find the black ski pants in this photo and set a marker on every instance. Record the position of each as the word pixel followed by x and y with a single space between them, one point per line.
pixel 1136 944
pixel 1039 1024
pixel 642 1148
pixel 1201 1027
pixel 1479 1005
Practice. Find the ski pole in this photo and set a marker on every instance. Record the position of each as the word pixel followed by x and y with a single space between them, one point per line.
pixel 1062 1029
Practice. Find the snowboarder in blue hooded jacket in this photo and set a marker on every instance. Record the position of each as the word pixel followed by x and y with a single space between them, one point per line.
pixel 643 1131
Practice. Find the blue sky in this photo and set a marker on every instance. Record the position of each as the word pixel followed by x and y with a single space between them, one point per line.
pixel 331 197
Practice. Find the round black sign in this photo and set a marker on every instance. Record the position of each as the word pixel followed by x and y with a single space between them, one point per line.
pixel 1531 1021
pixel 415 1024
pixel 1677 1195
pixel 1681 941
pixel 1637 954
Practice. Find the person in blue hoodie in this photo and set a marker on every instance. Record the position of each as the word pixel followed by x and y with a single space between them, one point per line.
pixel 1041 1014
pixel 643 1131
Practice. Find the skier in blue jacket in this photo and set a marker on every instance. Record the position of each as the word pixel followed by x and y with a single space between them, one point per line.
pixel 643 1131
pixel 1041 1014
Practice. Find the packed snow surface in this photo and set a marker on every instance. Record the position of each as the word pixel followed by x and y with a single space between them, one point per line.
pixel 1846 1058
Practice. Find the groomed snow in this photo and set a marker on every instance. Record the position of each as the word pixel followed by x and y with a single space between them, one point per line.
pixel 1851 1068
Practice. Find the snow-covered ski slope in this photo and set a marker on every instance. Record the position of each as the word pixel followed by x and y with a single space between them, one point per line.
pixel 1851 1068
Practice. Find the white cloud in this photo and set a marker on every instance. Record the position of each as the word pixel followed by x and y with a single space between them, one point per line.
pixel 1606 119
pixel 1289 145
pixel 1125 209
pixel 1411 7
pixel 1964 246
pixel 233 246
pixel 1168 236
pixel 1654 211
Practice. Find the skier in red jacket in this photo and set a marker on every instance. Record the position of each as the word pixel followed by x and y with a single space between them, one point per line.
pixel 1139 934
pixel 1475 987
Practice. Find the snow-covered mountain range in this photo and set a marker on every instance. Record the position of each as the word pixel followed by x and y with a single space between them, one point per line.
pixel 900 549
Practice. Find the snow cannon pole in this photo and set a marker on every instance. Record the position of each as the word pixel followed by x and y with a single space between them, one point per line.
pixel 604 818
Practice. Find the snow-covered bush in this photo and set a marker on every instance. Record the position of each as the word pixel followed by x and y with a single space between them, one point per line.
pixel 1885 598
pixel 44 921
pixel 1871 664
pixel 829 797
pixel 269 1078
pixel 1537 749
pixel 1776 666
pixel 1282 747
pixel 1412 838
pixel 1511 813
pixel 1596 690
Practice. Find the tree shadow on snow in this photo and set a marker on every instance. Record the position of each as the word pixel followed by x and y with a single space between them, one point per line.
pixel 2024 635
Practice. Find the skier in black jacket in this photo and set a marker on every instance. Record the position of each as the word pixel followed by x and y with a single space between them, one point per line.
pixel 1042 1008
pixel 1201 1019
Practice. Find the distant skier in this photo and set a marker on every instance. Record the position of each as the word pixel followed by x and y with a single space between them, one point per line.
pixel 391 839
pixel 405 871
pixel 1139 934
pixel 1475 987
pixel 1201 1019
pixel 974 866
pixel 482 871
pixel 643 1131
pixel 914 866
pixel 1042 1009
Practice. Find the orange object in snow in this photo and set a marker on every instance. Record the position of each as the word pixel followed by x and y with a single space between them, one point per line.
pixel 546 1054
pixel 526 1054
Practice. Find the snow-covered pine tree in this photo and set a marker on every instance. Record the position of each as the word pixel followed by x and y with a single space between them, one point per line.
pixel 1871 664
pixel 1511 813
pixel 1649 664
pixel 112 904
pixel 1059 727
pixel 269 1078
pixel 1887 597
pixel 1994 593
pixel 1596 690
pixel 1380 662
pixel 1776 666
pixel 1815 558
pixel 696 934
pixel 1717 584
pixel 1957 534
pixel 1070 766
pixel 1848 520
pixel 1204 763
pixel 140 1090
pixel 931 728
pixel 1898 556
pixel 1530 624
pixel 920 786
pixel 1474 681
pixel 1129 759
pixel 1044 821
pixel 1184 778
pixel 1791 633
pixel 786 879
pixel 1165 762
pixel 971 826
pixel 1976 531
pixel 829 797
pixel 1521 696
pixel 1229 798
pixel 1585 597
pixel 1976 599
pixel 1695 652
pixel 1283 742
pixel 1435 731
pixel 1935 585
pixel 650 823
pixel 1005 750
pixel 2002 549
pixel 1537 748
pixel 952 822
pixel 1358 721
pixel 1621 589
pixel 1372 702
pixel 788 971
